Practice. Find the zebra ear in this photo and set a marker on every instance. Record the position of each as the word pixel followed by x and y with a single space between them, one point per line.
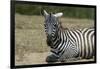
pixel 45 13
pixel 58 14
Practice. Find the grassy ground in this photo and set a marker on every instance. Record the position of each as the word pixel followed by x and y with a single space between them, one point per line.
pixel 30 35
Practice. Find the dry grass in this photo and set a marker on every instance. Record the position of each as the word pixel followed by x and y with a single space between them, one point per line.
pixel 30 35
pixel 34 58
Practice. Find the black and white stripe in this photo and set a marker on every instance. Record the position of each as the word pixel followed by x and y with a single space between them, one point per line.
pixel 66 43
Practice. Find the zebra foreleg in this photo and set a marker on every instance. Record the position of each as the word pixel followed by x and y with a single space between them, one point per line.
pixel 51 59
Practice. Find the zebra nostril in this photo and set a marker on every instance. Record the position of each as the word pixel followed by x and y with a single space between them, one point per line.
pixel 49 36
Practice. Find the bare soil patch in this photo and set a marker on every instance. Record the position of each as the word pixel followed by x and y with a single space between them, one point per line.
pixel 39 58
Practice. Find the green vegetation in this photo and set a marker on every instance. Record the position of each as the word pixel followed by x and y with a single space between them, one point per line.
pixel 73 12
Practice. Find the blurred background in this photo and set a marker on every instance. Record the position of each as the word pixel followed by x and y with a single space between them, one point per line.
pixel 69 11
pixel 30 38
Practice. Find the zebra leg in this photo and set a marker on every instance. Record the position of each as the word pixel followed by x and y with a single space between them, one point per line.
pixel 51 58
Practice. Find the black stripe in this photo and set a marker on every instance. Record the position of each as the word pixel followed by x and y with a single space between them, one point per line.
pixel 74 32
pixel 72 38
pixel 69 36
pixel 58 42
pixel 62 41
pixel 88 34
pixel 92 44
pixel 65 42
pixel 79 34
pixel 84 43
pixel 61 52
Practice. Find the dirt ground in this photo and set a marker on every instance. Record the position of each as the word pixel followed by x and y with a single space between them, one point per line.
pixel 39 58
pixel 32 58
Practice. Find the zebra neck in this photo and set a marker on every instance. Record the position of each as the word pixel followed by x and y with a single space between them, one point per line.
pixel 57 39
pixel 59 44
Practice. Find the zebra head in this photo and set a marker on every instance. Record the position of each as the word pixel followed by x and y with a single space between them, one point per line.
pixel 51 23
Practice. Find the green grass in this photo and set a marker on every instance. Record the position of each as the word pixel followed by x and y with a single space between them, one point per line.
pixel 30 35
pixel 69 11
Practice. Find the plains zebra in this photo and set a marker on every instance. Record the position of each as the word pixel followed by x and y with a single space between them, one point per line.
pixel 66 43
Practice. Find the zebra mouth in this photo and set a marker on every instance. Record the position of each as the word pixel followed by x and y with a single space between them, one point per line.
pixel 49 37
pixel 49 41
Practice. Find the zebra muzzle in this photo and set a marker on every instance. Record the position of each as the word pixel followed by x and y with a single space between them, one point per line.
pixel 49 41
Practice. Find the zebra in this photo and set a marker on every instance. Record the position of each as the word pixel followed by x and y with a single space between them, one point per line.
pixel 67 44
